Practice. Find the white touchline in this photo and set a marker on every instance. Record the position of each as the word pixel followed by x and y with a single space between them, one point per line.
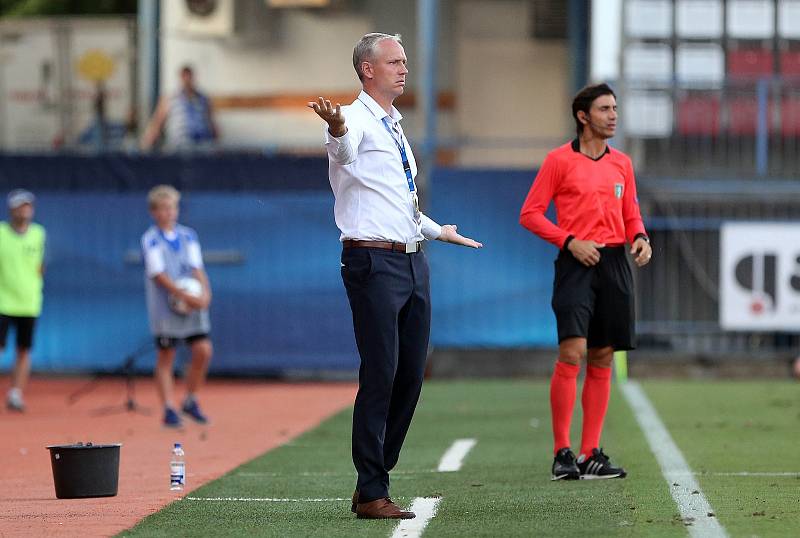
pixel 454 457
pixel 747 473
pixel 264 499
pixel 685 490
pixel 249 474
pixel 425 508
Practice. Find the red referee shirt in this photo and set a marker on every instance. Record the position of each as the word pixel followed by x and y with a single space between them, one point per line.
pixel 595 199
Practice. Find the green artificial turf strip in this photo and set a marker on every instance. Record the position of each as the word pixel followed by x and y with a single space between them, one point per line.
pixel 504 487
pixel 735 427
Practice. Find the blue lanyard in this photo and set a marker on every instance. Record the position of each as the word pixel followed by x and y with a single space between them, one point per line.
pixel 403 155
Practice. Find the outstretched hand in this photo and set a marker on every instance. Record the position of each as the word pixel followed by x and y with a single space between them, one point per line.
pixel 450 235
pixel 331 114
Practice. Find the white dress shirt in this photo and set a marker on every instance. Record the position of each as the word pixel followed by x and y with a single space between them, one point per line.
pixel 373 199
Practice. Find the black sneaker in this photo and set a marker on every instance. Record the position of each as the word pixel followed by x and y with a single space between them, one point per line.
pixel 599 466
pixel 565 466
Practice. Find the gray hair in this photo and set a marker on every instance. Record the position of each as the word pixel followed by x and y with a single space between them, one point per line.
pixel 364 51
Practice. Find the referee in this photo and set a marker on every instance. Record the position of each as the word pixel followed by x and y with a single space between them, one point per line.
pixel 594 191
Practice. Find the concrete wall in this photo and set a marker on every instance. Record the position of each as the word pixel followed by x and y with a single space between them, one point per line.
pixel 297 51
pixel 513 90
pixel 510 90
pixel 49 71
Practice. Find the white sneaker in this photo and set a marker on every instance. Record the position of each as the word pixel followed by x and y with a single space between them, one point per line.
pixel 14 401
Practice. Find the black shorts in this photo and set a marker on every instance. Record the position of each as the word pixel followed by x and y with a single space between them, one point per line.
pixel 169 342
pixel 597 302
pixel 24 326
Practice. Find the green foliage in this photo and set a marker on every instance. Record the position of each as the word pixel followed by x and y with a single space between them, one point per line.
pixel 51 8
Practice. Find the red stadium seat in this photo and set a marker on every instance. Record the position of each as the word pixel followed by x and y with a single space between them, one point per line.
pixel 750 63
pixel 790 63
pixel 698 115
pixel 790 116
pixel 743 115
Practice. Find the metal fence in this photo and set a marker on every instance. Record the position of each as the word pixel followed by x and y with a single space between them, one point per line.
pixel 678 293
pixel 710 88
pixel 741 130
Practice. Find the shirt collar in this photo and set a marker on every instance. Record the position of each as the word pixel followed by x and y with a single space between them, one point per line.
pixel 576 147
pixel 376 109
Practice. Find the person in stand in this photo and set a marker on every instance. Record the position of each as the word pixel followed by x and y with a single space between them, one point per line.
pixel 383 266
pixel 22 249
pixel 172 253
pixel 186 118
pixel 594 190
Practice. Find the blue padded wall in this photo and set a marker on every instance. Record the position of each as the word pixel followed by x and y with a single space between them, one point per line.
pixel 283 308
pixel 498 296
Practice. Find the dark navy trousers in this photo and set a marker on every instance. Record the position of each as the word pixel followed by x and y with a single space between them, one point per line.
pixel 389 296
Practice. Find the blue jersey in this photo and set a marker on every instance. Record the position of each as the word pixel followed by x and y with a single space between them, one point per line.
pixel 178 255
pixel 188 120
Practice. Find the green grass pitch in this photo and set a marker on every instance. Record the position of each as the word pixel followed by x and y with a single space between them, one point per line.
pixel 724 429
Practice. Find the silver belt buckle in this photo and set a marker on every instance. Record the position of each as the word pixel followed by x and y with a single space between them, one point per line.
pixel 412 247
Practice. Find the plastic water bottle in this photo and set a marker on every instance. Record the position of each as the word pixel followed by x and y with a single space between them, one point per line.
pixel 177 469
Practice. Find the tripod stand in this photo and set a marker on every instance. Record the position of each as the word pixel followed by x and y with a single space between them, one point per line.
pixel 127 369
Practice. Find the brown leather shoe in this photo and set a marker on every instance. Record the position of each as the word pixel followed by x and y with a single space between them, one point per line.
pixel 382 509
pixel 355 502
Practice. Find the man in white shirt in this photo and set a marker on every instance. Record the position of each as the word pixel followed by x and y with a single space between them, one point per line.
pixel 385 273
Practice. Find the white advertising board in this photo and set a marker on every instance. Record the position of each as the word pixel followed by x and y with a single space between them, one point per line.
pixel 760 276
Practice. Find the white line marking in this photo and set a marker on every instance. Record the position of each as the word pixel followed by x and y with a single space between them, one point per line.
pixel 454 457
pixel 695 509
pixel 747 473
pixel 264 499
pixel 409 472
pixel 425 508
pixel 255 474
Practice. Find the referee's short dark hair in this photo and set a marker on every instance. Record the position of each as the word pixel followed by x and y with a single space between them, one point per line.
pixel 584 99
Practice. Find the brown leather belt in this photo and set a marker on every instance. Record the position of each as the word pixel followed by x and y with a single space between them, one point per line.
pixel 407 248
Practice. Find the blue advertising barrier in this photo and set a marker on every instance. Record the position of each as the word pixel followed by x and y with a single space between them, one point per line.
pixel 186 171
pixel 273 260
pixel 498 296
pixel 278 300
